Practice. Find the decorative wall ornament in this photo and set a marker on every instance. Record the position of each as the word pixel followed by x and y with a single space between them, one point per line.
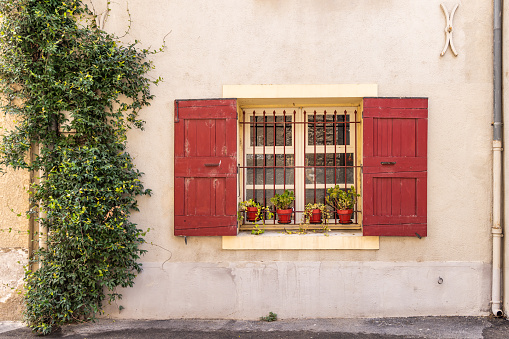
pixel 448 29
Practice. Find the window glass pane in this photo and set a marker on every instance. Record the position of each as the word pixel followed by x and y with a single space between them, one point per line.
pixel 269 141
pixel 345 175
pixel 283 130
pixel 283 176
pixel 258 197
pixel 318 131
pixel 255 173
pixel 310 196
pixel 329 172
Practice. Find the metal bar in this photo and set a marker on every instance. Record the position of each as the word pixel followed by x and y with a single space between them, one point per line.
pixel 284 150
pixel 355 159
pixel 294 151
pixel 344 143
pixel 314 162
pixel 244 178
pixel 263 159
pixel 325 151
pixel 335 154
pixel 255 139
pixel 274 152
pixel 306 127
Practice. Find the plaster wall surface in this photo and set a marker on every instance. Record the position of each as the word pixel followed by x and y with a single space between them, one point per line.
pixel 13 235
pixel 306 289
pixel 395 44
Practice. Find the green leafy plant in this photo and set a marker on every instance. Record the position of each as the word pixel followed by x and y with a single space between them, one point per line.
pixel 257 230
pixel 271 317
pixel 242 208
pixel 340 199
pixel 76 91
pixel 308 212
pixel 283 201
pixel 262 213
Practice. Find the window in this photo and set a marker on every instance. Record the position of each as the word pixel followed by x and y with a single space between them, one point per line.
pixel 391 169
pixel 305 150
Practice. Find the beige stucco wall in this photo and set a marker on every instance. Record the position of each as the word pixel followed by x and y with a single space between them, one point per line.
pixel 395 44
pixel 13 236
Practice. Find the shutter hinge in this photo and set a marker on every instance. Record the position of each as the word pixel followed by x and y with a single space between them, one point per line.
pixel 177 112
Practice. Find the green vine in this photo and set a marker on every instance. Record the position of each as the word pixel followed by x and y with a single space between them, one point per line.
pixel 75 92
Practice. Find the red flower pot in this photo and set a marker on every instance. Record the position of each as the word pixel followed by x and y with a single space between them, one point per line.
pixel 316 217
pixel 284 216
pixel 252 214
pixel 345 216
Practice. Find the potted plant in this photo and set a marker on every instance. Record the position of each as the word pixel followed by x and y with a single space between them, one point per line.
pixel 315 213
pixel 282 204
pixel 342 201
pixel 254 212
pixel 252 209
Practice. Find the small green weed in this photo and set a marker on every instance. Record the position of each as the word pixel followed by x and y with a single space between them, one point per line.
pixel 270 317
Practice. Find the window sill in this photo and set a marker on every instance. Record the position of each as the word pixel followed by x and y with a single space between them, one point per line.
pixel 298 227
pixel 352 240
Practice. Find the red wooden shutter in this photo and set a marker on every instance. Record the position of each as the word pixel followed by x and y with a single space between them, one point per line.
pixel 205 167
pixel 395 166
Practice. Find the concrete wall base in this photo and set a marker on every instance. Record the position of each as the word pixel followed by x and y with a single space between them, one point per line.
pixel 248 290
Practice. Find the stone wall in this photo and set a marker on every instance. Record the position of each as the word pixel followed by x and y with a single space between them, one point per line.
pixel 13 235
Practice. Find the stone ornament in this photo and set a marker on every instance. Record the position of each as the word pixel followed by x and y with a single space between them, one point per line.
pixel 448 29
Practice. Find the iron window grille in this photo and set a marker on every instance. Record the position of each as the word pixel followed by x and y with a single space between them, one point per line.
pixel 304 150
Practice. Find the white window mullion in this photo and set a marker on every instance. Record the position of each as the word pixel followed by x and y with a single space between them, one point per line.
pixel 300 190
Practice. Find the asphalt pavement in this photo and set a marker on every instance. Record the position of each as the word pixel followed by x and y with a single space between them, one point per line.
pixel 382 328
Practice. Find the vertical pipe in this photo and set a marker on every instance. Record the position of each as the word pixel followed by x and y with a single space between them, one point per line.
pixel 497 159
pixel 32 220
pixel 43 230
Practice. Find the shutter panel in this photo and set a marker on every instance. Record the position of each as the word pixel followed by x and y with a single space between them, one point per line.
pixel 395 134
pixel 205 167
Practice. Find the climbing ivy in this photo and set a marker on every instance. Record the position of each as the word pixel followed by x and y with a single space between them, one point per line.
pixel 74 90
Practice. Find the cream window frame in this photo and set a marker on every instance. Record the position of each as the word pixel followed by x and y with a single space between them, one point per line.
pixel 296 96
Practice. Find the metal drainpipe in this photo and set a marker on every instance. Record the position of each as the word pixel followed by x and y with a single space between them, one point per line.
pixel 496 230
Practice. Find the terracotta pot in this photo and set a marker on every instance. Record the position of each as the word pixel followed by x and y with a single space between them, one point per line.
pixel 252 214
pixel 284 216
pixel 316 217
pixel 345 216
